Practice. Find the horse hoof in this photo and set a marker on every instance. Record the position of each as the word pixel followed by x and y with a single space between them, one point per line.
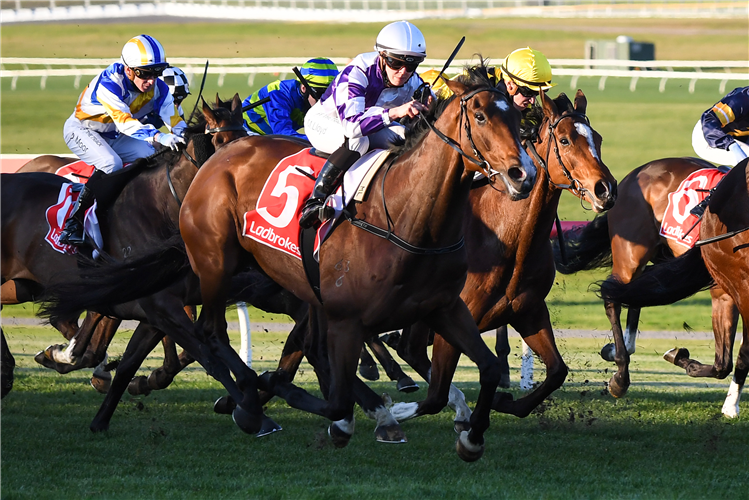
pixel 249 423
pixel 467 451
pixel 159 379
pixel 268 427
pixel 369 372
pixel 339 438
pixel 675 355
pixel 390 434
pixel 99 426
pixel 101 382
pixel 461 426
pixel 618 388
pixel 139 386
pixel 608 352
pixel 407 384
pixel 504 381
pixel 224 405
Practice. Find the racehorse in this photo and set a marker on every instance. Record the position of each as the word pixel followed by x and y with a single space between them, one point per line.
pixel 511 267
pixel 628 236
pixel 151 197
pixel 721 257
pixel 368 283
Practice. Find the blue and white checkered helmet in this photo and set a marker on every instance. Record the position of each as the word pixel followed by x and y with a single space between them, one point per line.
pixel 177 82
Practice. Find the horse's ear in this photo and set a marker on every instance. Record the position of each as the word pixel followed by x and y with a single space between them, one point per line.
pixel 209 115
pixel 218 101
pixel 457 87
pixel 581 102
pixel 548 105
pixel 236 105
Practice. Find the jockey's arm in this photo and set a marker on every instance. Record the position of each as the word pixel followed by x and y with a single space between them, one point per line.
pixel 279 113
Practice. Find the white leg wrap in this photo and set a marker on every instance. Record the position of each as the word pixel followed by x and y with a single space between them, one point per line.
pixel 63 356
pixel 526 369
pixel 457 401
pixel 731 406
pixel 630 339
pixel 99 371
pixel 382 416
pixel 346 425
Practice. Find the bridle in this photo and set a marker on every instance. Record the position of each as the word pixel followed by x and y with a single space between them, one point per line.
pixel 479 160
pixel 574 186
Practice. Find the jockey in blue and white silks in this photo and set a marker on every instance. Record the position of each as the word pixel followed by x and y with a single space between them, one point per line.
pixel 722 134
pixel 359 111
pixel 106 130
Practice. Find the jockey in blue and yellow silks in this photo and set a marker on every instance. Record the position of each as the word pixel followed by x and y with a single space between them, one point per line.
pixel 289 100
pixel 107 126
pixel 722 134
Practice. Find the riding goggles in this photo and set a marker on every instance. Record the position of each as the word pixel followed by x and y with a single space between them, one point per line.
pixel 410 62
pixel 150 73
pixel 526 92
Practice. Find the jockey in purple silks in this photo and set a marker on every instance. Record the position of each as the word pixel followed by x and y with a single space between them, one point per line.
pixel 360 109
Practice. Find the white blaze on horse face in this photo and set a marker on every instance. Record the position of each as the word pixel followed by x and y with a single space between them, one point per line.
pixel 584 130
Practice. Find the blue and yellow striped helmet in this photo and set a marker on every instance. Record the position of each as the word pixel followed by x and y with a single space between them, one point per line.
pixel 144 51
pixel 319 73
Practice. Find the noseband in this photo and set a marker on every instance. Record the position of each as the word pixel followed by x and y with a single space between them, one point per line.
pixel 575 186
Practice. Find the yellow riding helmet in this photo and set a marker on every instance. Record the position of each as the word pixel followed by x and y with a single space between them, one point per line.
pixel 439 89
pixel 528 68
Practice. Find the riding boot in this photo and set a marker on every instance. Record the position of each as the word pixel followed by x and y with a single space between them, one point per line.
pixel 699 209
pixel 72 233
pixel 330 176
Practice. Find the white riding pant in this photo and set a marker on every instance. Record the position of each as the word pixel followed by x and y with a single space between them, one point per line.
pixel 730 157
pixel 325 133
pixel 105 154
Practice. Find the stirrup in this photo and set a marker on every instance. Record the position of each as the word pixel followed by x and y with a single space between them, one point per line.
pixel 72 234
pixel 699 209
pixel 310 213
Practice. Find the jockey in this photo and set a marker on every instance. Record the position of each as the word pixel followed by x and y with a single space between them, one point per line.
pixel 289 100
pixel 722 134
pixel 179 87
pixel 105 129
pixel 359 110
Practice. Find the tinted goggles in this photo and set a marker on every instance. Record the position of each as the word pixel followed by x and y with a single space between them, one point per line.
pixel 526 92
pixel 147 74
pixel 410 63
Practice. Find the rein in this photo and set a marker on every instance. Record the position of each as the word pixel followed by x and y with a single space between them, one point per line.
pixel 388 234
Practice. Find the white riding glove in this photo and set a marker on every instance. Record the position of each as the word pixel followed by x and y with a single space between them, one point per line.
pixel 737 152
pixel 170 140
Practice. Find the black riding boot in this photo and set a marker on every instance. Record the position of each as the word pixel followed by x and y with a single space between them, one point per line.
pixel 330 176
pixel 72 234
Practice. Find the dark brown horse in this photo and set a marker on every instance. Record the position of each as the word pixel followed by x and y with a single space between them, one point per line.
pixel 628 235
pixel 151 199
pixel 368 284
pixel 511 267
pixel 722 258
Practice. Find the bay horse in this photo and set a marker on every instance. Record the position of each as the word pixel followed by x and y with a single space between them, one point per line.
pixel 627 238
pixel 147 206
pixel 511 266
pixel 720 258
pixel 368 284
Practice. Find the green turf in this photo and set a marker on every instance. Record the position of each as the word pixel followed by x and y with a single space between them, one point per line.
pixel 665 439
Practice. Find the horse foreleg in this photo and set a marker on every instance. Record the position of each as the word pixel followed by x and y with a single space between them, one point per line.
pixel 391 366
pixel 144 339
pixel 367 365
pixel 731 405
pixel 7 366
pixel 502 348
pixel 619 382
pixel 535 328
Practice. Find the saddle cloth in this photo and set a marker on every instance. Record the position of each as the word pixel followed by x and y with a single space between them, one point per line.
pixel 58 213
pixel 78 171
pixel 676 219
pixel 275 220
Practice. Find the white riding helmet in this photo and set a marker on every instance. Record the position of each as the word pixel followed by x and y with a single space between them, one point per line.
pixel 145 52
pixel 176 80
pixel 401 38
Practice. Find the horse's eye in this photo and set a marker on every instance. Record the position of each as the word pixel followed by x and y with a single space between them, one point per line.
pixel 564 141
pixel 480 118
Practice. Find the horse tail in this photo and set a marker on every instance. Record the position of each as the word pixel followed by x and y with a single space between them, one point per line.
pixel 661 284
pixel 584 250
pixel 100 285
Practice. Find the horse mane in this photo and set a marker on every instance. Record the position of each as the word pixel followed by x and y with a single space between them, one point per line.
pixel 474 77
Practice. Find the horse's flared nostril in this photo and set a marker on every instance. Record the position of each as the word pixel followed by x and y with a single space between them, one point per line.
pixel 517 174
pixel 606 193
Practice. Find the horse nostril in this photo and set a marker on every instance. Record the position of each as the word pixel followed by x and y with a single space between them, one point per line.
pixel 602 190
pixel 517 174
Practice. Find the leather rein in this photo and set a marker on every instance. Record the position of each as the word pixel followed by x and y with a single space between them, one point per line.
pixel 479 160
pixel 208 131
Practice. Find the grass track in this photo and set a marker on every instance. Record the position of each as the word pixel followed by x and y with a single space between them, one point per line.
pixel 666 439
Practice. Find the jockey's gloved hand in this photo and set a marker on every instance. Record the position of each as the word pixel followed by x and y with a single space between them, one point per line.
pixel 170 140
